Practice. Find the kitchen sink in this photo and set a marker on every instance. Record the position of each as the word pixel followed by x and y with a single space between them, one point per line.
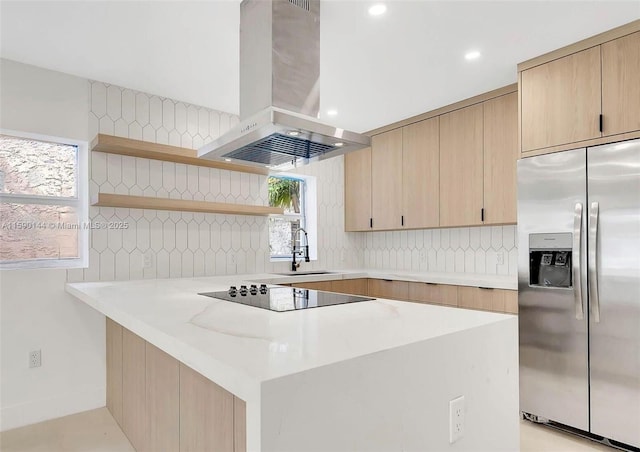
pixel 306 273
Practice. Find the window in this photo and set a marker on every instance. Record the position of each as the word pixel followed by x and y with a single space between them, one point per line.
pixel 42 201
pixel 296 194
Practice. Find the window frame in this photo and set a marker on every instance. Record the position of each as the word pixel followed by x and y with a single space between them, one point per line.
pixel 80 202
pixel 309 205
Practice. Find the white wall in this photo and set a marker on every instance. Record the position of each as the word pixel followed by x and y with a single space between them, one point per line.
pixel 35 312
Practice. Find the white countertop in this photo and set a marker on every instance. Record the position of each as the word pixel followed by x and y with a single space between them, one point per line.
pixel 239 347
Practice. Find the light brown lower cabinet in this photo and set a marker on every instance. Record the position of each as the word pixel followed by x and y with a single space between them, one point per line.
pixel 356 286
pixel 163 380
pixel 386 288
pixel 114 370
pixel 433 293
pixel 206 414
pixel 315 285
pixel 163 405
pixel 134 411
pixel 351 286
pixel 498 300
pixel 488 299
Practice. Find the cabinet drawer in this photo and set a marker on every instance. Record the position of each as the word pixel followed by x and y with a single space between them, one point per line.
pixel 384 288
pixel 498 300
pixel 315 285
pixel 350 286
pixel 433 293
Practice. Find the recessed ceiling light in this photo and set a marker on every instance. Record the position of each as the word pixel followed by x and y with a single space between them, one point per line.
pixel 227 160
pixel 473 55
pixel 293 133
pixel 338 144
pixel 332 112
pixel 378 10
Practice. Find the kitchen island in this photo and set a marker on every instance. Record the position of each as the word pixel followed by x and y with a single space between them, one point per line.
pixel 372 375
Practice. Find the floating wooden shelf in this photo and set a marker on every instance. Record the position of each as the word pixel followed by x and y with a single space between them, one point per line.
pixel 144 202
pixel 145 149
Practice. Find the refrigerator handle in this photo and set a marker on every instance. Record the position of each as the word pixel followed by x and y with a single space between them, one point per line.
pixel 576 262
pixel 593 261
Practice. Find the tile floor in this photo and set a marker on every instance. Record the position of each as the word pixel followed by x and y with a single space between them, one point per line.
pixel 96 431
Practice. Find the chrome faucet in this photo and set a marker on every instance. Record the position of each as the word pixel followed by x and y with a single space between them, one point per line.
pixel 299 250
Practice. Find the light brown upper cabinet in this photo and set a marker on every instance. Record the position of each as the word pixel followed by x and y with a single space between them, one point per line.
pixel 357 190
pixel 621 85
pixel 561 101
pixel 455 166
pixel 500 159
pixel 461 166
pixel 386 180
pixel 420 174
pixel 584 94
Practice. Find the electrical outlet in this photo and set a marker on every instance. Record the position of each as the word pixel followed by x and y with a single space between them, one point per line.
pixel 147 260
pixel 456 419
pixel 35 358
pixel 500 258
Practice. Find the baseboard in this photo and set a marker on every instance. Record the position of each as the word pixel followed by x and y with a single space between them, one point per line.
pixel 61 405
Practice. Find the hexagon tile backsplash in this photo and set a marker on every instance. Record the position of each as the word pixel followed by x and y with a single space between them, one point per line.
pixel 490 250
pixel 160 244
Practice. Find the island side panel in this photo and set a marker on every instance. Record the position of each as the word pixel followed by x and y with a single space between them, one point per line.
pixel 114 369
pixel 399 399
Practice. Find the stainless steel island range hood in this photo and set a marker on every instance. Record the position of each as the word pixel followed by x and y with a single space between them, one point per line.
pixel 280 90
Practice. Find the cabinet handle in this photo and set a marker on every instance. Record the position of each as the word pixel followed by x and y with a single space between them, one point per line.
pixel 486 288
pixel 402 220
pixel 482 214
pixel 370 222
pixel 601 121
pixel 431 283
pixel 388 280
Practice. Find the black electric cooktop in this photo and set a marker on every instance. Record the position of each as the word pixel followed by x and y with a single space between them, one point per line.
pixel 281 299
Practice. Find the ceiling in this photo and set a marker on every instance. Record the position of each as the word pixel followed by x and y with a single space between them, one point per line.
pixel 374 70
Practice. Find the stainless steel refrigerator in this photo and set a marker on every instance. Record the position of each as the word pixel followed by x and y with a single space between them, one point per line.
pixel 579 289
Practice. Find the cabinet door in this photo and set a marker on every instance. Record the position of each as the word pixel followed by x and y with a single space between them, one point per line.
pixel 621 84
pixel 420 174
pixel 561 101
pixel 206 414
pixel 134 409
pixel 163 400
pixel 461 161
pixel 500 159
pixel 315 285
pixel 497 300
pixel 433 293
pixel 511 301
pixel 357 190
pixel 393 290
pixel 386 180
pixel 114 370
pixel 350 286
